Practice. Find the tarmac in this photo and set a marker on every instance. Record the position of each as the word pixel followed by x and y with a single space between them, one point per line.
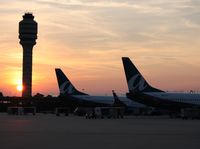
pixel 47 131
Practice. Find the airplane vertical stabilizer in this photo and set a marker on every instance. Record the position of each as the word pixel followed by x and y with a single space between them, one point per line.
pixel 117 101
pixel 65 86
pixel 135 81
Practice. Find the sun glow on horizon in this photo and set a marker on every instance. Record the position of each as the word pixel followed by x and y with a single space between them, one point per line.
pixel 19 88
pixel 19 85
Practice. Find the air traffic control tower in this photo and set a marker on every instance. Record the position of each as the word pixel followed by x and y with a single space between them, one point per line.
pixel 27 36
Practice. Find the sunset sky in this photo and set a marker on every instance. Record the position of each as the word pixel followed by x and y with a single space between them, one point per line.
pixel 87 38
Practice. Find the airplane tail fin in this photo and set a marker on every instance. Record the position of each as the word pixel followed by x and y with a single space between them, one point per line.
pixel 65 86
pixel 117 101
pixel 136 82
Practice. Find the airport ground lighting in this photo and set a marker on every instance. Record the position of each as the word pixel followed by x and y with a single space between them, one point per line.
pixel 27 36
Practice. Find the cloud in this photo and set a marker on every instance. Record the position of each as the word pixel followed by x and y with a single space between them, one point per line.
pixel 88 37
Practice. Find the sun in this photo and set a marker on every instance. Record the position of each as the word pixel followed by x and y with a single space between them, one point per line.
pixel 19 88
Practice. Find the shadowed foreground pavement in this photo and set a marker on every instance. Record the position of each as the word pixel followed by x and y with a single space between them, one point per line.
pixel 46 131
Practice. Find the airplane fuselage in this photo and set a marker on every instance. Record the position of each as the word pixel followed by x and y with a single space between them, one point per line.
pixel 166 100
pixel 107 100
pixel 188 98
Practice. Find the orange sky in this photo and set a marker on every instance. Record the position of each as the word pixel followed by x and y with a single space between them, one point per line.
pixel 87 38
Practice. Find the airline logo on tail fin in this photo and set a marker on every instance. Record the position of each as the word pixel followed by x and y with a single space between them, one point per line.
pixel 135 81
pixel 65 86
pixel 134 84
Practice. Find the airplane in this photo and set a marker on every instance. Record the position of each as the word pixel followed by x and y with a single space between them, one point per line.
pixel 140 91
pixel 67 89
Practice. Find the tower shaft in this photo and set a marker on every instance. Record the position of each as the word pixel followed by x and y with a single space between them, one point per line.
pixel 27 70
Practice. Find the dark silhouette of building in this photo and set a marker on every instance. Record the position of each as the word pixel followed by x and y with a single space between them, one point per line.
pixel 27 36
